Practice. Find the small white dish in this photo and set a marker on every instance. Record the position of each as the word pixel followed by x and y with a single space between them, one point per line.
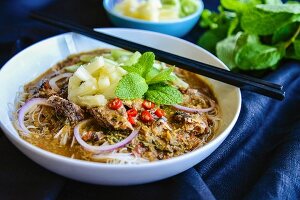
pixel 36 59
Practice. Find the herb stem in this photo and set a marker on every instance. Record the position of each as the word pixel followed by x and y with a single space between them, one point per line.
pixel 288 43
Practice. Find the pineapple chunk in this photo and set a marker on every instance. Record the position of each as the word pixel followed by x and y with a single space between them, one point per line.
pixel 103 83
pixel 115 77
pixel 86 88
pixel 83 74
pixel 95 65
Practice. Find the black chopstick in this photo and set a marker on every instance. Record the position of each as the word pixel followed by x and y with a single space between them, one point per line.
pixel 244 82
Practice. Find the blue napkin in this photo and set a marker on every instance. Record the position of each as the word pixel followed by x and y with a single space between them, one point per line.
pixel 259 160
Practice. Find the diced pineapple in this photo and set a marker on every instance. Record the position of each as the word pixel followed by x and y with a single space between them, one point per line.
pixel 103 82
pixel 115 77
pixel 83 74
pixel 169 13
pixel 86 88
pixel 92 101
pixel 149 10
pixel 96 64
pixel 127 7
pixel 121 71
pixel 109 93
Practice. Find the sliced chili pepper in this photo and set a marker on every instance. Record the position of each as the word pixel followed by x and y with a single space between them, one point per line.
pixel 146 116
pixel 131 120
pixel 159 113
pixel 132 112
pixel 115 104
pixel 148 105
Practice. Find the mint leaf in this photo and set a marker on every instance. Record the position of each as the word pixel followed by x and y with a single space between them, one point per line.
pixel 134 69
pixel 144 64
pixel 131 86
pixel 255 56
pixel 260 22
pixel 163 94
pixel 153 72
pixel 280 8
pixel 226 50
pixel 239 5
pixel 232 26
pixel 285 32
pixel 210 38
pixel 164 75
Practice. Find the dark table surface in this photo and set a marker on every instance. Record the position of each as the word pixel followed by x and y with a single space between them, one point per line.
pixel 259 159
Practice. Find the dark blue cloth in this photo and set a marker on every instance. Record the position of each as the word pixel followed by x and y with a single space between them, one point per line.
pixel 260 159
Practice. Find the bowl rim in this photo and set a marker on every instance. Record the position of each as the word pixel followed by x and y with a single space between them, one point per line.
pixel 141 21
pixel 59 158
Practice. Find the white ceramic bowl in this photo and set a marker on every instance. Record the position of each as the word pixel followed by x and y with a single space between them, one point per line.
pixel 34 60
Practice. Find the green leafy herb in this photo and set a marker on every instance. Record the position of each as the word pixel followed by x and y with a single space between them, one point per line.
pixel 131 86
pixel 153 72
pixel 145 80
pixel 252 34
pixel 239 6
pixel 285 32
pixel 163 94
pixel 164 75
pixel 263 23
pixel 144 64
pixel 257 56
pixel 280 8
pixel 226 50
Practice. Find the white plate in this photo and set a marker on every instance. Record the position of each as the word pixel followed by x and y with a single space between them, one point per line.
pixel 34 60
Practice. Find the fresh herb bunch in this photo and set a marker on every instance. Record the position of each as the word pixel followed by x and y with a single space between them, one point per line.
pixel 144 80
pixel 252 34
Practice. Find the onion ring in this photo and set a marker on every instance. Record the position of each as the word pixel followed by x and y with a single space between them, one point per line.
pixel 194 110
pixel 25 109
pixel 102 148
pixel 52 81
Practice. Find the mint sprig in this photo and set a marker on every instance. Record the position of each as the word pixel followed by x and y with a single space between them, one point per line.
pixel 164 75
pixel 143 66
pixel 143 80
pixel 131 86
pixel 163 94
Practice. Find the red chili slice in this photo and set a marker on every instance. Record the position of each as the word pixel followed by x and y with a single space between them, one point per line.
pixel 148 105
pixel 115 104
pixel 159 113
pixel 132 112
pixel 146 116
pixel 131 120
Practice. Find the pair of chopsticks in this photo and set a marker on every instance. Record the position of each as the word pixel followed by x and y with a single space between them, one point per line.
pixel 239 80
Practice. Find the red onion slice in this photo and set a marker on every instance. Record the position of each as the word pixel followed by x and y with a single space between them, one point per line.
pixel 98 149
pixel 194 110
pixel 52 81
pixel 25 109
